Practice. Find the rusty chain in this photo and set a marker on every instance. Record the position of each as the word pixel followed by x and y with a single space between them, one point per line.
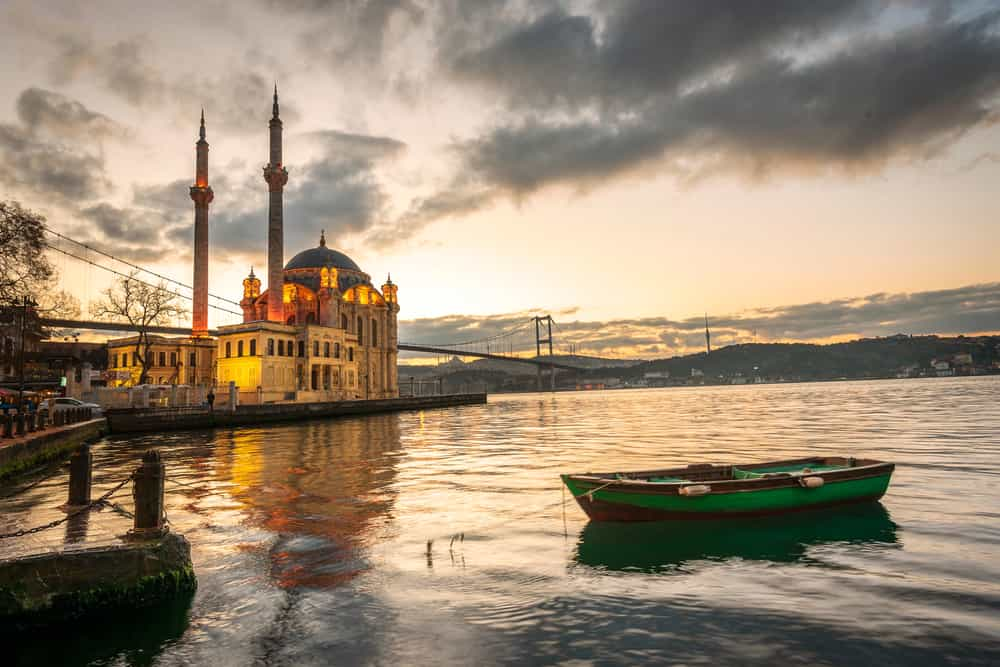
pixel 69 515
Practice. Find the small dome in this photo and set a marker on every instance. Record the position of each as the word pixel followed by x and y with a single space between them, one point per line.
pixel 320 256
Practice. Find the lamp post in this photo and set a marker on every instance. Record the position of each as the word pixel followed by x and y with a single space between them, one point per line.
pixel 25 303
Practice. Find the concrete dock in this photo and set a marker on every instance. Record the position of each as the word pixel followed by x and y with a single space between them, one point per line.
pixel 137 420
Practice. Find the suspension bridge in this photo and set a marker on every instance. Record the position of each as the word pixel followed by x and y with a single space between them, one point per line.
pixel 529 341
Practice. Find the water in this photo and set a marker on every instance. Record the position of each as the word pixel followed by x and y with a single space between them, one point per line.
pixel 310 539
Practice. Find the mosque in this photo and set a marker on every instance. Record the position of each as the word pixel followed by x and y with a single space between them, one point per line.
pixel 321 331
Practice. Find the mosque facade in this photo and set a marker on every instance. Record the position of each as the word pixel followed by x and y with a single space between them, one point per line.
pixel 320 331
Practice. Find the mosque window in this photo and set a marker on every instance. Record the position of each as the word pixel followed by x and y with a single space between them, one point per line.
pixel 239 348
pixel 290 348
pixel 315 348
pixel 343 322
pixel 326 349
pixel 229 349
pixel 173 359
pixel 350 354
pixel 361 331
pixel 374 335
pixel 253 347
pixel 281 347
pixel 163 360
pixel 336 350
pixel 270 347
pixel 302 348
pixel 192 361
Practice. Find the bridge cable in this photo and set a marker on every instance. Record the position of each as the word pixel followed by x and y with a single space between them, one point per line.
pixel 125 275
pixel 134 266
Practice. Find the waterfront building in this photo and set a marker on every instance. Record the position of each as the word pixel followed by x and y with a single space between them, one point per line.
pixel 321 331
pixel 173 360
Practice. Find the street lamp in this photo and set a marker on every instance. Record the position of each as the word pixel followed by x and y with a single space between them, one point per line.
pixel 26 302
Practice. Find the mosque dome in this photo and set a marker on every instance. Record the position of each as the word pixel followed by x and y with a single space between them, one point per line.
pixel 320 256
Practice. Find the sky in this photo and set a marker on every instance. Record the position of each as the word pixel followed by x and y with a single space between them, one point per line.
pixel 808 171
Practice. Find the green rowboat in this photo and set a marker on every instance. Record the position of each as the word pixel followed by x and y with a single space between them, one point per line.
pixel 703 491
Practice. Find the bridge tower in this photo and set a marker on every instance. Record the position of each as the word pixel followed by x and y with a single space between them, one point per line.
pixel 202 196
pixel 276 177
pixel 547 319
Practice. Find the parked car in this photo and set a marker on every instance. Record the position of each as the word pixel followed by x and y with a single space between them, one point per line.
pixel 60 404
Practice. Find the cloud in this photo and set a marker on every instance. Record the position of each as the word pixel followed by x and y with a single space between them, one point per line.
pixel 51 170
pixel 53 113
pixel 236 102
pixel 970 309
pixel 903 96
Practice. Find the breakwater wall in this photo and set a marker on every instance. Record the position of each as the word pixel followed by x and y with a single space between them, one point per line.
pixel 137 420
pixel 19 454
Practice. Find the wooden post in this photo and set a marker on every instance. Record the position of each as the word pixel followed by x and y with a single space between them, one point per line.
pixel 19 424
pixel 80 464
pixel 8 426
pixel 30 421
pixel 149 479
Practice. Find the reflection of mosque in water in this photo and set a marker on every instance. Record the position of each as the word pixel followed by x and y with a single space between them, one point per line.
pixel 324 487
pixel 669 545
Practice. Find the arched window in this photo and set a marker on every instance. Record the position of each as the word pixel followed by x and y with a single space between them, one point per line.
pixel 374 334
pixel 239 348
pixel 315 348
pixel 290 348
pixel 350 354
pixel 281 347
pixel 253 347
pixel 326 349
pixel 361 331
pixel 270 347
pixel 336 350
pixel 343 322
pixel 302 348
pixel 229 349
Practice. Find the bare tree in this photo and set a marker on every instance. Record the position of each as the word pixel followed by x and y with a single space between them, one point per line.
pixel 25 270
pixel 141 305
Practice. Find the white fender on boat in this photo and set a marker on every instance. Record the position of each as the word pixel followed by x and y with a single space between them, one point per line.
pixel 811 482
pixel 696 490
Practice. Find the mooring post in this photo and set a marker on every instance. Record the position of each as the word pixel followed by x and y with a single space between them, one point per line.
pixel 148 482
pixel 8 426
pixel 41 420
pixel 19 430
pixel 80 464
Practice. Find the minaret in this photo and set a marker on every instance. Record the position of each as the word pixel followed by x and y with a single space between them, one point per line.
pixel 708 338
pixel 202 195
pixel 276 177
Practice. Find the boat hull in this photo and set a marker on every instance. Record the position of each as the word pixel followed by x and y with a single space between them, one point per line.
pixel 648 502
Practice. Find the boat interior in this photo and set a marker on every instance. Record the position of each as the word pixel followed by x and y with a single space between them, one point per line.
pixel 703 472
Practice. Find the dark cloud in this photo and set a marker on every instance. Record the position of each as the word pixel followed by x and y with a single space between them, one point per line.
pixel 970 309
pixel 905 95
pixel 53 113
pixel 640 48
pixel 49 170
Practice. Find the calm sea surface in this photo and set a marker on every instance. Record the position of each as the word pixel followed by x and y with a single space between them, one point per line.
pixel 310 540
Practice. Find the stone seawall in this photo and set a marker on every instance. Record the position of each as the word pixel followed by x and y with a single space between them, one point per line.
pixel 136 420
pixel 41 446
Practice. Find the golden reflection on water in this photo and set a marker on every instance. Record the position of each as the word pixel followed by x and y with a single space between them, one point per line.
pixel 322 488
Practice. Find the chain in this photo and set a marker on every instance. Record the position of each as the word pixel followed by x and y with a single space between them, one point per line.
pixel 52 524
pixel 174 480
